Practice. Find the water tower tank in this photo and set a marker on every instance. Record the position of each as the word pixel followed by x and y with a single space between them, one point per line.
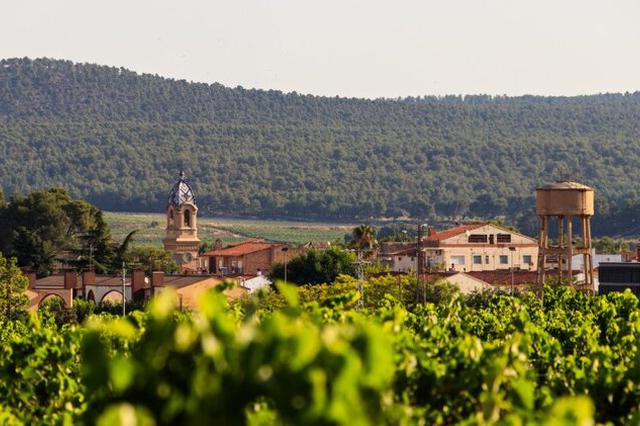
pixel 564 198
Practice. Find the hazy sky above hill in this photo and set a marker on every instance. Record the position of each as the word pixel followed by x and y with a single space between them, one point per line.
pixel 365 48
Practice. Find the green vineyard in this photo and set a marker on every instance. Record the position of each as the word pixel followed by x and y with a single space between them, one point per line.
pixel 332 354
pixel 151 229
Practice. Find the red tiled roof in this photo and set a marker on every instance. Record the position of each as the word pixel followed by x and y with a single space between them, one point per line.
pixel 452 232
pixel 242 249
pixel 409 251
pixel 504 277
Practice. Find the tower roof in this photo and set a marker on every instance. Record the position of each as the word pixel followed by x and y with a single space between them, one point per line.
pixel 564 185
pixel 181 192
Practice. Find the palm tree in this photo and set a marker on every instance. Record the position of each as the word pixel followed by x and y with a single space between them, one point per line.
pixel 364 238
pixel 121 250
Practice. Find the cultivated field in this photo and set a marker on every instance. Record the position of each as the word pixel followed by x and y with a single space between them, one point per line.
pixel 151 229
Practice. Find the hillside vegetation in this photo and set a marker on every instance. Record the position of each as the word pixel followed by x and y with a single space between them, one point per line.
pixel 117 139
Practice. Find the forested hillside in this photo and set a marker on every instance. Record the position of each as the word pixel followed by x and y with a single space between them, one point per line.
pixel 117 138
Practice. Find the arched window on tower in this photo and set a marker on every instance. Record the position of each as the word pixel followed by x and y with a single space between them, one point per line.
pixel 171 217
pixel 187 218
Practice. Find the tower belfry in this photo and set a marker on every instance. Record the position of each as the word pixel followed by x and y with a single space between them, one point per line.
pixel 181 237
pixel 565 204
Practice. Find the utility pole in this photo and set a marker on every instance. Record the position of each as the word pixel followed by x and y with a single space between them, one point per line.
pixel 8 295
pixel 512 250
pixel 285 250
pixel 360 274
pixel 91 256
pixel 420 267
pixel 124 294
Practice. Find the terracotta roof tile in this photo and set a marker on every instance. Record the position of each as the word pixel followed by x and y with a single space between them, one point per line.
pixel 242 249
pixel 452 232
pixel 504 277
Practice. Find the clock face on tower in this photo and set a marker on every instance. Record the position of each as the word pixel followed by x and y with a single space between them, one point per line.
pixel 187 257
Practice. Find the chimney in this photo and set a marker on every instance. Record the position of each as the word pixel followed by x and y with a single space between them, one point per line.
pixel 32 279
pixel 88 278
pixel 70 279
pixel 157 278
pixel 137 281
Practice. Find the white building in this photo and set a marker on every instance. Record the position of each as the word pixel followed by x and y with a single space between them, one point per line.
pixel 470 247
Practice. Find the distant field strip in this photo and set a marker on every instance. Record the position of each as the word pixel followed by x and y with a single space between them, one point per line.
pixel 150 228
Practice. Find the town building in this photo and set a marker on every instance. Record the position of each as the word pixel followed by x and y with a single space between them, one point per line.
pixel 251 257
pixel 181 237
pixel 504 280
pixel 619 276
pixel 88 285
pixel 577 261
pixel 465 282
pixel 478 246
pixel 189 288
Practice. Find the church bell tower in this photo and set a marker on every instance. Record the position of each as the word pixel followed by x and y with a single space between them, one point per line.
pixel 182 227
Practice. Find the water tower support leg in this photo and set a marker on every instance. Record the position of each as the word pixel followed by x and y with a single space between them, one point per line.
pixel 570 249
pixel 561 246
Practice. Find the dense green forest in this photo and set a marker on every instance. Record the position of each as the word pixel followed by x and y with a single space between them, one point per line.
pixel 117 139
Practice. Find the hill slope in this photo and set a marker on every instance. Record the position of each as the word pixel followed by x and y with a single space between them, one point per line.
pixel 118 138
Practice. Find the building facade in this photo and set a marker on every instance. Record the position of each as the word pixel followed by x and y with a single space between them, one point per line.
pixel 470 247
pixel 619 276
pixel 251 257
pixel 88 285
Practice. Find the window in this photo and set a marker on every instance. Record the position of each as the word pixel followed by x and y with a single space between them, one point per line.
pixel 526 259
pixel 187 218
pixel 486 260
pixel 477 260
pixel 457 260
pixel 478 238
pixel 503 238
pixel 504 259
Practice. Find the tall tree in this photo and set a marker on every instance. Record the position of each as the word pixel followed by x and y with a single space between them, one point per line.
pixel 363 237
pixel 42 226
pixel 13 300
pixel 315 267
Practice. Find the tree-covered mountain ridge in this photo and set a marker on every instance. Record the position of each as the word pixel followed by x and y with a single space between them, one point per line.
pixel 117 138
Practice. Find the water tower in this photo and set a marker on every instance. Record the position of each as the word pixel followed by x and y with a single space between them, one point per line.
pixel 564 204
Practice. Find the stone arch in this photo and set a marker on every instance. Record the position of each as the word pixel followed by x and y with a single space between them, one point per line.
pixel 91 296
pixel 113 296
pixel 51 296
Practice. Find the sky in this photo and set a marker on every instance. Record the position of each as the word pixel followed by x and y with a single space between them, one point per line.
pixel 352 48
